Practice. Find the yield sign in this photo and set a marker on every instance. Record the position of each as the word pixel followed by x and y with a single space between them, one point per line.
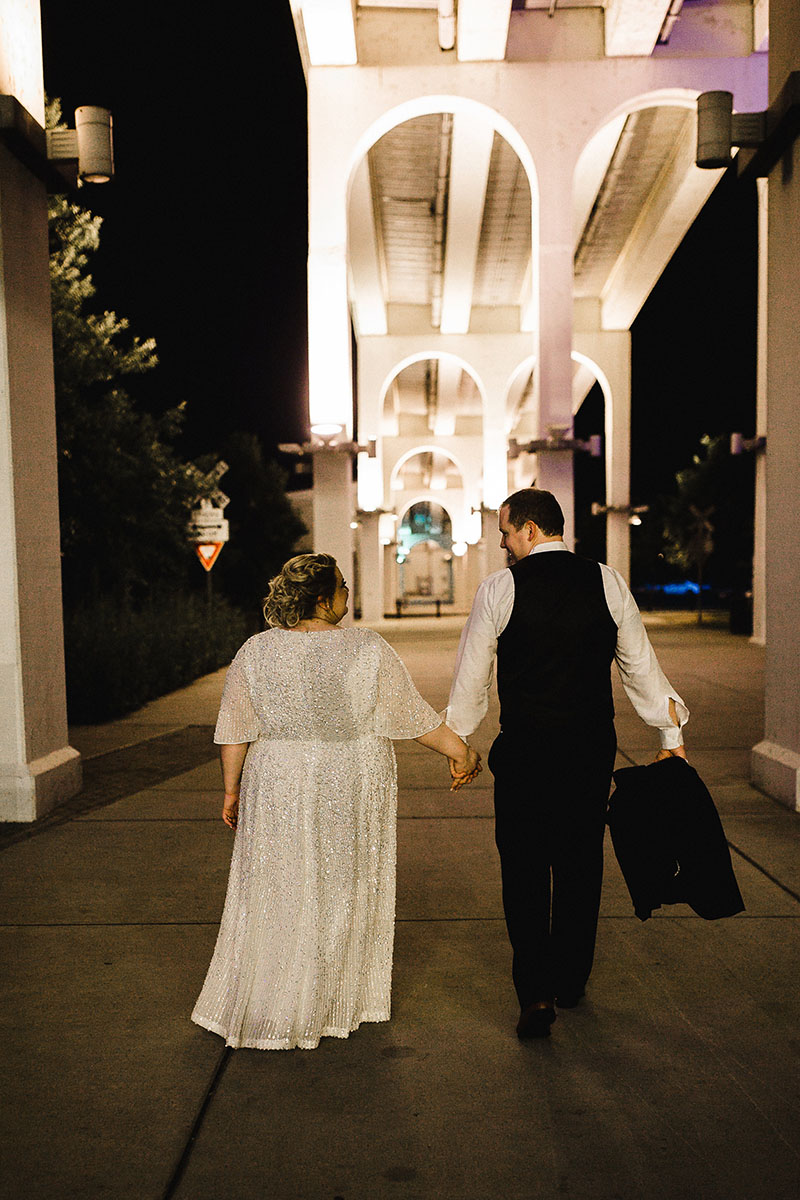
pixel 208 553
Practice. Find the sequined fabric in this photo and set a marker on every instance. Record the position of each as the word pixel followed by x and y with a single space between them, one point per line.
pixel 305 946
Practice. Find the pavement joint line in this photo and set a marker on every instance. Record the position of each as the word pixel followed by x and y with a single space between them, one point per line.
pixel 660 916
pixel 789 891
pixel 178 1172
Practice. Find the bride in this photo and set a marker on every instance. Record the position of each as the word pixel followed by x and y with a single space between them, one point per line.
pixel 305 726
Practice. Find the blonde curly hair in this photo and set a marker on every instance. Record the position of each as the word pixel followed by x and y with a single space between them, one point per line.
pixel 296 590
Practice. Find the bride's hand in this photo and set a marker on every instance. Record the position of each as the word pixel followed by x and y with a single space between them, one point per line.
pixel 230 810
pixel 464 769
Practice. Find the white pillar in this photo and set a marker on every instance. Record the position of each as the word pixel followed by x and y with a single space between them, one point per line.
pixel 330 392
pixel 760 524
pixel 493 557
pixel 776 759
pixel 370 564
pixel 333 509
pixel 609 352
pixel 618 451
pixel 554 357
pixel 38 768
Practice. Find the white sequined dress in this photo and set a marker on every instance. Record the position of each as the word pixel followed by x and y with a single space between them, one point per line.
pixel 305 946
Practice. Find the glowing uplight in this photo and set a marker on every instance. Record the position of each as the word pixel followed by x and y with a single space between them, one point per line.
pixel 330 32
pixel 474 528
pixel 370 483
pixel 386 523
pixel 459 549
pixel 330 388
pixel 634 520
pixel 326 430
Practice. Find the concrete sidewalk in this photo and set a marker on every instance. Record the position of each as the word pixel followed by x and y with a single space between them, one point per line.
pixel 677 1077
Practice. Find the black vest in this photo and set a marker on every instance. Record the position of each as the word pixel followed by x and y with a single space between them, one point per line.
pixel 554 656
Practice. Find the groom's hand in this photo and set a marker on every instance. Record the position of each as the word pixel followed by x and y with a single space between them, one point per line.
pixel 464 770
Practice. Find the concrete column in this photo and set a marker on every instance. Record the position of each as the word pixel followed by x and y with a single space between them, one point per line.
pixel 330 391
pixel 370 558
pixel 609 352
pixel 334 509
pixel 38 768
pixel 555 469
pixel 760 530
pixel 494 558
pixel 391 580
pixel 776 760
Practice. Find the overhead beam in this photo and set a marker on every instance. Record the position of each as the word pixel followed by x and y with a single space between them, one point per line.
pixel 482 30
pixel 632 26
pixel 469 172
pixel 591 169
pixel 681 191
pixel 366 283
pixel 449 379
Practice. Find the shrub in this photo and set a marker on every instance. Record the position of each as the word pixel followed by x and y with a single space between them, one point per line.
pixel 117 659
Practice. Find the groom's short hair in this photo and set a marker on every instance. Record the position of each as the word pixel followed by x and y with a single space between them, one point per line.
pixel 537 505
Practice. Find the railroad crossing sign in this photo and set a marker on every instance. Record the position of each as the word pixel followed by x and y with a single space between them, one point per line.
pixel 207 528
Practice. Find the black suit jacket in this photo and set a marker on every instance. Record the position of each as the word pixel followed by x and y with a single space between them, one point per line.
pixel 669 841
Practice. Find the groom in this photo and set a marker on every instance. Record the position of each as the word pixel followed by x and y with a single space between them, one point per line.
pixel 555 622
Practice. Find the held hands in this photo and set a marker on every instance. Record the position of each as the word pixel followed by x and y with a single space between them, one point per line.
pixel 230 809
pixel 676 752
pixel 464 769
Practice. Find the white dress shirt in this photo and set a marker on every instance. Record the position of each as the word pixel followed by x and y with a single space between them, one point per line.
pixel 645 683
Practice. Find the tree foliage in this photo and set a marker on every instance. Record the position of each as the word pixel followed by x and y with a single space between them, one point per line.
pixel 263 525
pixel 124 492
pixel 708 522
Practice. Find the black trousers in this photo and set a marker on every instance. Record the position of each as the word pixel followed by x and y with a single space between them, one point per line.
pixel 551 794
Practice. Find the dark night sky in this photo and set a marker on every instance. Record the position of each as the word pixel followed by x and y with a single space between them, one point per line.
pixel 203 244
pixel 204 238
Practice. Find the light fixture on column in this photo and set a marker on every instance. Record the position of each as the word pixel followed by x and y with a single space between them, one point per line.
pixel 447 24
pixel 459 549
pixel 557 439
pixel 740 444
pixel 769 134
pixel 89 147
pixel 631 511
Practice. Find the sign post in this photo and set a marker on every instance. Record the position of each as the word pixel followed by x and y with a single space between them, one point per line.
pixel 208 530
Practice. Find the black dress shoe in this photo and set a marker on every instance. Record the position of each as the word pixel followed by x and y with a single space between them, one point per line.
pixel 535 1020
pixel 570 999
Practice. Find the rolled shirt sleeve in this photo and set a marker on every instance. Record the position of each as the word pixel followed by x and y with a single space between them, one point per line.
pixel 645 684
pixel 477 649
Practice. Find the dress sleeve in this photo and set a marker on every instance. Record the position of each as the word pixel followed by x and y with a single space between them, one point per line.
pixel 237 721
pixel 400 711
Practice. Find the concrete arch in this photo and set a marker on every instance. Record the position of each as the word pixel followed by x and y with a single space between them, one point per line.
pixel 426 498
pixel 422 106
pixel 375 322
pixel 520 371
pixel 595 154
pixel 423 356
pixel 425 449
pixel 598 373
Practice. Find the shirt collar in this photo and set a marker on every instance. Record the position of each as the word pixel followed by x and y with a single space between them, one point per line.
pixel 543 547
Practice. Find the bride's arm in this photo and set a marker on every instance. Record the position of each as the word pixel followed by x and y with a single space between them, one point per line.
pixel 466 761
pixel 231 759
